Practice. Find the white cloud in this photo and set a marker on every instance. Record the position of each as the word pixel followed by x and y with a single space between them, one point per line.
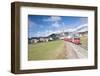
pixel 58 28
pixel 31 24
pixel 38 34
pixel 66 29
pixel 49 32
pixel 53 19
pixel 69 28
pixel 54 31
pixel 56 25
pixel 46 33
pixel 84 20
pixel 81 26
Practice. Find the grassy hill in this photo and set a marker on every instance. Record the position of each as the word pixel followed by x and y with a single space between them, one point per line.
pixel 84 42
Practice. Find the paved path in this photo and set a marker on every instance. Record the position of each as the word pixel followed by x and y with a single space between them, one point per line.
pixel 74 51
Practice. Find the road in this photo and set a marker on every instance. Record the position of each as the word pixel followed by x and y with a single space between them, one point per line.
pixel 74 51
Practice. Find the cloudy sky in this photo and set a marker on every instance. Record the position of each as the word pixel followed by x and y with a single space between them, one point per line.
pixel 40 25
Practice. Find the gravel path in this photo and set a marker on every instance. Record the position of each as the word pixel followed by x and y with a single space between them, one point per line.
pixel 74 51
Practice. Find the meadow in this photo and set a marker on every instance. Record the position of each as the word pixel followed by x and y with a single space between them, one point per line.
pixel 46 50
pixel 84 42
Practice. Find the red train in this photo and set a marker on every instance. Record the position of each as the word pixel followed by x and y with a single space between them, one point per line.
pixel 75 40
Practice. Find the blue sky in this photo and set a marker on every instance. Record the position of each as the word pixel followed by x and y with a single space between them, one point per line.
pixel 41 25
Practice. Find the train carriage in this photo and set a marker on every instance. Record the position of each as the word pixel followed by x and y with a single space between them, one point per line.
pixel 74 38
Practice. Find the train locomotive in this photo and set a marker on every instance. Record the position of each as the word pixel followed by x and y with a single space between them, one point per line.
pixel 74 38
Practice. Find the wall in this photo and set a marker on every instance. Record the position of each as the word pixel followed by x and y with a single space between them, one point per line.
pixel 5 33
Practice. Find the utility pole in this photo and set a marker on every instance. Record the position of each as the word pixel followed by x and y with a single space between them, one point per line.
pixel 63 30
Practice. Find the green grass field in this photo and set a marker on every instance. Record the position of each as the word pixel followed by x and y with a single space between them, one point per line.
pixel 84 42
pixel 46 50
